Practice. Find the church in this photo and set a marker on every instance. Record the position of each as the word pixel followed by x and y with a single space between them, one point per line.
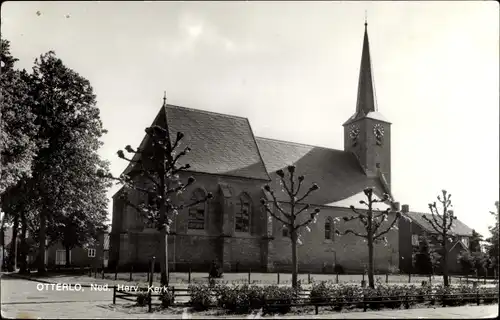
pixel 232 228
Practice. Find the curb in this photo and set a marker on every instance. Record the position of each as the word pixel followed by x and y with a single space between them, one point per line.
pixel 17 276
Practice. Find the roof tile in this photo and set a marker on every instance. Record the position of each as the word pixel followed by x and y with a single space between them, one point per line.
pixel 458 228
pixel 336 172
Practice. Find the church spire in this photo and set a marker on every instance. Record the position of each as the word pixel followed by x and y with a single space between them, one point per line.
pixel 366 92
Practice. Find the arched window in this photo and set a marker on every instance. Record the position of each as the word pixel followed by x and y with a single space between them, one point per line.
pixel 152 203
pixel 196 219
pixel 243 212
pixel 284 232
pixel 329 228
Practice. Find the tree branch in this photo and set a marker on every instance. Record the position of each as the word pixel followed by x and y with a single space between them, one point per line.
pixel 342 233
pixel 308 221
pixel 266 206
pixel 388 229
pixel 276 203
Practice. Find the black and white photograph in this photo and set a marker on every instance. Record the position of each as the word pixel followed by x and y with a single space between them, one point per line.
pixel 249 159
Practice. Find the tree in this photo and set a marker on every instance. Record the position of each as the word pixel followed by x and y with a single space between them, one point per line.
pixel 158 164
pixel 69 124
pixel 291 218
pixel 472 261
pixel 372 221
pixel 475 241
pixel 18 131
pixel 442 224
pixel 84 217
pixel 493 245
pixel 422 260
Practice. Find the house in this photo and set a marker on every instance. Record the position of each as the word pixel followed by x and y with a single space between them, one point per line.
pixel 55 254
pixel 411 229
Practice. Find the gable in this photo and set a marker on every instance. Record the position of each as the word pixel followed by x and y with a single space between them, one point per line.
pixel 220 144
pixel 337 173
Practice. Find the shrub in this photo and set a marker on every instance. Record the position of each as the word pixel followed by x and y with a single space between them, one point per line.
pixel 215 270
pixel 279 299
pixel 234 298
pixel 201 297
pixel 338 295
pixel 143 298
pixel 391 295
pixel 167 298
pixel 488 295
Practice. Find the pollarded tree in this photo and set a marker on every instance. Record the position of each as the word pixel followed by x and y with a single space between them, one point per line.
pixel 372 222
pixel 442 225
pixel 291 218
pixel 159 164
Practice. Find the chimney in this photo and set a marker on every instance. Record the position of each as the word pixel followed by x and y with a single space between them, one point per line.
pixel 405 208
pixel 395 206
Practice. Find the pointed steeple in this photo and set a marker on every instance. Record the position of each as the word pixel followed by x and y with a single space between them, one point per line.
pixel 366 92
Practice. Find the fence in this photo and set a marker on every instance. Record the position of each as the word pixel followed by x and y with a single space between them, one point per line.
pixel 304 300
pixel 284 278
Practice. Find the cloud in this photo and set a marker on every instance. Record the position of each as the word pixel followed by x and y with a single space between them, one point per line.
pixel 198 35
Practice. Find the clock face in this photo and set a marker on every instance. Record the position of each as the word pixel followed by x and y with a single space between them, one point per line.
pixel 354 132
pixel 378 130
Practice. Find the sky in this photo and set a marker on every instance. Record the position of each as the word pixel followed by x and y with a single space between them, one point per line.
pixel 292 69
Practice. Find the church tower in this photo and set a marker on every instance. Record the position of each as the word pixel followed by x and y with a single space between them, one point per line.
pixel 367 134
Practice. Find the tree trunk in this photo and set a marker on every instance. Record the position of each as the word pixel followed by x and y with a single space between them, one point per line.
pixel 371 282
pixel 445 265
pixel 41 245
pixel 295 266
pixel 2 242
pixel 68 250
pixel 13 246
pixel 163 234
pixel 23 247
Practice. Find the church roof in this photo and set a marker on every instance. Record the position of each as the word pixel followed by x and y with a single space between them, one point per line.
pixel 220 144
pixel 337 173
pixel 458 227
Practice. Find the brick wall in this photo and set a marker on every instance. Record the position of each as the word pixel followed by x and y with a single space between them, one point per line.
pixel 316 252
pixel 137 244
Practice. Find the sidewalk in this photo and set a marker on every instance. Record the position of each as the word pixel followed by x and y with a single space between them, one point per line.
pixel 87 310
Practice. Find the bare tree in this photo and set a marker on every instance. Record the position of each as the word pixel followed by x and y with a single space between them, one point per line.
pixel 442 224
pixel 159 165
pixel 291 219
pixel 372 221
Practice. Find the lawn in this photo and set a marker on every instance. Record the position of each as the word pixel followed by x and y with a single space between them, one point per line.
pixel 177 278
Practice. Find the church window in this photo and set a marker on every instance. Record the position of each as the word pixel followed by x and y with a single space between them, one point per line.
pixel 196 217
pixel 284 232
pixel 152 205
pixel 329 229
pixel 243 214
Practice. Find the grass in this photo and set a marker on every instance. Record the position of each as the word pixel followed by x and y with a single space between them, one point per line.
pixel 178 278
